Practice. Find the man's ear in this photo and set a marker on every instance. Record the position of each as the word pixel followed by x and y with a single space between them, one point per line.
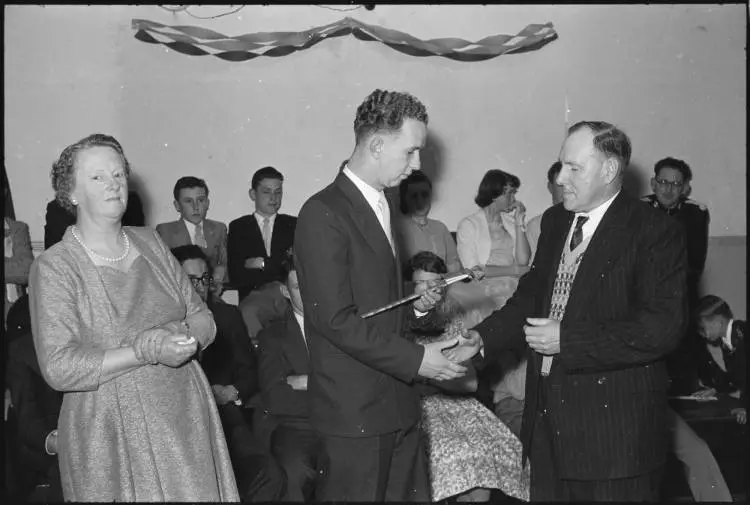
pixel 285 292
pixel 208 204
pixel 376 146
pixel 686 189
pixel 251 192
pixel 177 206
pixel 653 184
pixel 611 169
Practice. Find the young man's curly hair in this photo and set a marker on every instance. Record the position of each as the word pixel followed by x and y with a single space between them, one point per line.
pixel 386 110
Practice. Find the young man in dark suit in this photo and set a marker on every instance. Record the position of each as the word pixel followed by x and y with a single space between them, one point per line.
pixel 231 368
pixel 191 202
pixel 283 370
pixel 604 302
pixel 257 242
pixel 718 327
pixel 363 403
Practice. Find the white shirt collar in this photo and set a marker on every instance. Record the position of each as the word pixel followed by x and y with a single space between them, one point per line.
pixel 301 321
pixel 371 194
pixel 728 335
pixel 595 217
pixel 259 218
pixel 191 229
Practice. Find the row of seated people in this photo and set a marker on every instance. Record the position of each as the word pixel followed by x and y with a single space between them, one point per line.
pixel 496 237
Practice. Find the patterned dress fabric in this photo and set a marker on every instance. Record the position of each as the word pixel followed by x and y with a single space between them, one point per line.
pixel 468 446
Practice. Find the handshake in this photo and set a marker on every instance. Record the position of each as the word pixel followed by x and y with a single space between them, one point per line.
pixel 442 360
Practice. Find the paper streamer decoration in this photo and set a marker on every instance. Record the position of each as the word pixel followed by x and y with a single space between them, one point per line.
pixel 197 41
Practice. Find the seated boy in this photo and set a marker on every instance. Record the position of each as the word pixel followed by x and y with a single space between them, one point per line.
pixel 722 367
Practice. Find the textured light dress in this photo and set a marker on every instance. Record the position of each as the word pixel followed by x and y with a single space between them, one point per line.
pixel 154 433
pixel 468 446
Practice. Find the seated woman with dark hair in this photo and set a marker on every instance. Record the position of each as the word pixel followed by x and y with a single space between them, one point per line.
pixel 470 450
pixel 494 237
pixel 417 232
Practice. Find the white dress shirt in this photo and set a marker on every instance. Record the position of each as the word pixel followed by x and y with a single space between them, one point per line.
pixel 301 321
pixel 372 196
pixel 271 221
pixel 728 336
pixel 191 230
pixel 595 217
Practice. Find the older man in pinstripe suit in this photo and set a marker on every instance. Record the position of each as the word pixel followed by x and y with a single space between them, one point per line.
pixel 603 303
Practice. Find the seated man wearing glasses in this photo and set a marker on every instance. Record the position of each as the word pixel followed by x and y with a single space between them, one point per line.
pixel 671 187
pixel 231 368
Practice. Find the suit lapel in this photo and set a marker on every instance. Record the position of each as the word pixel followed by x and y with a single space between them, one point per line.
pixel 609 240
pixel 254 232
pixel 365 220
pixel 277 235
pixel 295 344
pixel 208 234
pixel 183 235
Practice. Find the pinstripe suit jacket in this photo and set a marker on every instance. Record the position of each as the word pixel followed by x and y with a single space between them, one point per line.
pixel 607 390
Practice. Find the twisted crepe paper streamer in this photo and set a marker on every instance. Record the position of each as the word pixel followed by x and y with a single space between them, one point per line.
pixel 197 41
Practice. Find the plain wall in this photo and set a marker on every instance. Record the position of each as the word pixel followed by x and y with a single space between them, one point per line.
pixel 672 76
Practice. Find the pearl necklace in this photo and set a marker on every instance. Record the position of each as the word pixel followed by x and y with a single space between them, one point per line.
pixel 105 258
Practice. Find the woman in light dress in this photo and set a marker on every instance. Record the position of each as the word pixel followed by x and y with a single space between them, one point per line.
pixel 116 326
pixel 494 237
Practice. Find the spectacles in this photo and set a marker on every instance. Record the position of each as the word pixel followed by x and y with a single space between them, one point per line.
pixel 202 281
pixel 671 184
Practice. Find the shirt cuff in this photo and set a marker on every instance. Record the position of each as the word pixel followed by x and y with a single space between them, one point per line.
pixel 419 314
pixel 46 443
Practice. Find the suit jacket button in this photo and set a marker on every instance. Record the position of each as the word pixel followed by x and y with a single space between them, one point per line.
pixel 601 380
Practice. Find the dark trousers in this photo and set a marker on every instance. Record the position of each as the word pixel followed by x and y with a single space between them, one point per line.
pixel 547 485
pixel 259 476
pixel 389 467
pixel 297 448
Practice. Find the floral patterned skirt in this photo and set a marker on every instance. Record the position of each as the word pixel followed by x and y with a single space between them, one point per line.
pixel 470 447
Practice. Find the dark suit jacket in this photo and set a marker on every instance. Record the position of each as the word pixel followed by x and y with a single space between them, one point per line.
pixel 37 406
pixel 57 219
pixel 607 389
pixel 283 353
pixel 175 234
pixel 361 369
pixel 230 359
pixel 245 241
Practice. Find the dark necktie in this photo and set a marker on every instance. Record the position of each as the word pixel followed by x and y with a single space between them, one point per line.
pixel 577 237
